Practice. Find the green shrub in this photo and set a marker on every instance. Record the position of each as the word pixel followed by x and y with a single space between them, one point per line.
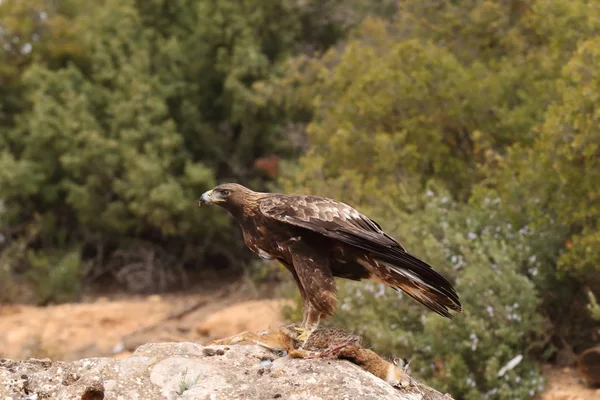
pixel 7 286
pixel 593 306
pixel 12 259
pixel 121 114
pixel 551 189
pixel 432 92
pixel 55 276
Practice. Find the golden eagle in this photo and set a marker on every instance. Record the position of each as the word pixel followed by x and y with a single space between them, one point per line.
pixel 317 239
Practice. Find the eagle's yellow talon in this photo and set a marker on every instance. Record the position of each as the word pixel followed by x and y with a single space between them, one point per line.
pixel 304 335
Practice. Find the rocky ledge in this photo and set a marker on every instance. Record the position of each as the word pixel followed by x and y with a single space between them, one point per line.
pixel 190 371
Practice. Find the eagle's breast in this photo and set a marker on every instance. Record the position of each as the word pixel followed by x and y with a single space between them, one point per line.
pixel 258 240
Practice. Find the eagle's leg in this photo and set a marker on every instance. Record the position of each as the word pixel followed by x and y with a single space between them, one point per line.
pixel 305 308
pixel 310 266
pixel 312 316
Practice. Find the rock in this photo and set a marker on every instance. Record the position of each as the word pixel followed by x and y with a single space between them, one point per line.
pixel 190 371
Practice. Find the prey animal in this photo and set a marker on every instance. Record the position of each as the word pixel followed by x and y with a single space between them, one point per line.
pixel 318 239
pixel 326 343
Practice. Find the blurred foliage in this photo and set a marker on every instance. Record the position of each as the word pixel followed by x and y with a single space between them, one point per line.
pixel 429 94
pixel 13 263
pixel 116 116
pixel 495 102
pixel 32 31
pixel 552 188
pixel 56 278
pixel 594 307
pixel 8 288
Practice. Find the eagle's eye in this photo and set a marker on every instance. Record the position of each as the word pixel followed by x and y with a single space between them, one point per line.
pixel 225 193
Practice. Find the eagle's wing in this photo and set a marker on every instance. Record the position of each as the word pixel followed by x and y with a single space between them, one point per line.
pixel 341 222
pixel 324 215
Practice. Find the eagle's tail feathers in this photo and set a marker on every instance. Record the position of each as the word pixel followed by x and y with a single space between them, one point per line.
pixel 402 270
pixel 434 292
pixel 407 264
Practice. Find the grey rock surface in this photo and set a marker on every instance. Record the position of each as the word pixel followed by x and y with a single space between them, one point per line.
pixel 158 371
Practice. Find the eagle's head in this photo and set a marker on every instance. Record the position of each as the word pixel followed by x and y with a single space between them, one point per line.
pixel 227 195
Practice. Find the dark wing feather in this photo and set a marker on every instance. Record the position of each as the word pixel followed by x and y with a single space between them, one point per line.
pixel 321 214
pixel 341 222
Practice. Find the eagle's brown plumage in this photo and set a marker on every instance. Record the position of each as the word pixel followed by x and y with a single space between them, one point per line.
pixel 317 239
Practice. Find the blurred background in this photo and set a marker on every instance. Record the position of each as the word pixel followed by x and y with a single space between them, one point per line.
pixel 469 129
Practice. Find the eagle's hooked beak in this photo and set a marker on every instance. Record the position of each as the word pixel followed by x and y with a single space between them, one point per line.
pixel 210 197
pixel 206 198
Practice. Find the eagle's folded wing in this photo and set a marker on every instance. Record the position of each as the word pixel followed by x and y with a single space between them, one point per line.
pixel 341 222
